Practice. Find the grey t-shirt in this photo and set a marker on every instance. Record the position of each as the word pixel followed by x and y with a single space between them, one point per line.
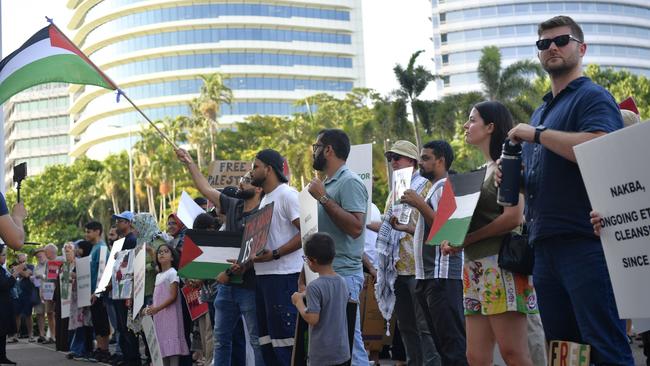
pixel 328 341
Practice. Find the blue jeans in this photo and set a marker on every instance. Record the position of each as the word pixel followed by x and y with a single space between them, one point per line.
pixel 77 341
pixel 230 304
pixel 359 355
pixel 576 300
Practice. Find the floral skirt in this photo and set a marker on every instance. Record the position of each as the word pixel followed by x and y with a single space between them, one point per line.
pixel 490 290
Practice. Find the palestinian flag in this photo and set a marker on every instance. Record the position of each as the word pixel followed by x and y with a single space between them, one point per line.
pixel 205 253
pixel 460 195
pixel 48 56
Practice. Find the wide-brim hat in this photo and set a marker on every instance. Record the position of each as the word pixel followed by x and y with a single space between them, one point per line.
pixel 404 148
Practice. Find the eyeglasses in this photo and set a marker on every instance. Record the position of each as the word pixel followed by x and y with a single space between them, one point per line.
pixel 315 147
pixel 391 156
pixel 560 41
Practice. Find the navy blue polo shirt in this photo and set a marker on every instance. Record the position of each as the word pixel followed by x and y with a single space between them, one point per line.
pixel 556 199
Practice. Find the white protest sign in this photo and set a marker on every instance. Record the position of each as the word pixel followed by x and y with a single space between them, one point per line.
pixel 138 279
pixel 103 251
pixel 108 269
pixel 615 171
pixel 641 325
pixel 65 287
pixel 122 279
pixel 47 290
pixel 401 182
pixel 360 162
pixel 152 340
pixel 83 281
pixel 188 210
pixel 308 224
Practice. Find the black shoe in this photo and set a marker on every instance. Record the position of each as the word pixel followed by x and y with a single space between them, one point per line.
pixel 5 361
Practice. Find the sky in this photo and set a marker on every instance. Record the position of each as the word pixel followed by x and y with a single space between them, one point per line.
pixel 392 30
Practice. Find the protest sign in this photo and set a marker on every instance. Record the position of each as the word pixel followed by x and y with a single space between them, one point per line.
pixel 205 254
pixel 47 290
pixel 360 162
pixel 122 278
pixel 188 210
pixel 138 278
pixel 103 251
pixel 223 173
pixel 108 269
pixel 308 224
pixel 195 306
pixel 65 287
pixel 401 182
pixel 53 269
pixel 256 231
pixel 152 340
pixel 614 171
pixel 563 353
pixel 82 266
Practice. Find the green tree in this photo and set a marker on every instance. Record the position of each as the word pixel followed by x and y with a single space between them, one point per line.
pixel 623 84
pixel 114 179
pixel 412 80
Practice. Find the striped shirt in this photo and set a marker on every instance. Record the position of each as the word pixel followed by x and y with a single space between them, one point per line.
pixel 429 262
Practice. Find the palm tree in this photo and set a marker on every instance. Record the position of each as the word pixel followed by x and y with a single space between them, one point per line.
pixel 413 80
pixel 509 85
pixel 213 93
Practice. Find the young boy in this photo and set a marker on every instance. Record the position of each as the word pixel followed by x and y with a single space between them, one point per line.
pixel 327 298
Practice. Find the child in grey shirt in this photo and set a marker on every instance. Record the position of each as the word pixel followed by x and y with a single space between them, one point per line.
pixel 325 312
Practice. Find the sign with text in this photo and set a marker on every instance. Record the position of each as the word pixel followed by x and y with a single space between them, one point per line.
pixel 192 297
pixel 47 290
pixel 308 225
pixel 138 279
pixel 122 279
pixel 360 162
pixel 256 232
pixel 82 266
pixel 401 182
pixel 614 170
pixel 53 269
pixel 108 270
pixel 563 353
pixel 103 257
pixel 223 173
pixel 65 286
pixel 152 340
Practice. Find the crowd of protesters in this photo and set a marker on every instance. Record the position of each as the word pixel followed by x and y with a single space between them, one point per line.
pixel 452 305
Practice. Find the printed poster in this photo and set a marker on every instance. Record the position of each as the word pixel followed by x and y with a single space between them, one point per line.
pixel 66 288
pixel 192 297
pixel 401 182
pixel 103 252
pixel 108 270
pixel 152 340
pixel 256 232
pixel 615 171
pixel 122 278
pixel 82 266
pixel 139 278
pixel 53 269
pixel 47 290
pixel 360 162
pixel 308 225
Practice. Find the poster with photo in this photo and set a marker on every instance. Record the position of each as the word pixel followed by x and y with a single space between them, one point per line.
pixel 122 278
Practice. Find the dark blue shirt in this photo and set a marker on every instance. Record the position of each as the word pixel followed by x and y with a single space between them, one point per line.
pixel 3 205
pixel 556 199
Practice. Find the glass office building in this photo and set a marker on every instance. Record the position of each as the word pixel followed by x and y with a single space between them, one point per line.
pixel 616 33
pixel 271 54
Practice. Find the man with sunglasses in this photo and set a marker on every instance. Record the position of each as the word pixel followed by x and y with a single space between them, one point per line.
pixel 574 290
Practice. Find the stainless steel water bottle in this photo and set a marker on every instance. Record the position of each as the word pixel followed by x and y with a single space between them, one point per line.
pixel 508 193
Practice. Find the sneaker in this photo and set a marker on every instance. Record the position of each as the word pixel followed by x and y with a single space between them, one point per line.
pixel 49 341
pixel 13 340
pixel 70 356
pixel 31 340
pixel 89 358
pixel 40 340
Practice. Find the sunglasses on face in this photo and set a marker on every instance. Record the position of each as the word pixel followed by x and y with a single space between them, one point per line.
pixel 560 41
pixel 391 157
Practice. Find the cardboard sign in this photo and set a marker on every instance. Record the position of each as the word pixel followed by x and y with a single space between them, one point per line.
pixel 152 340
pixel 401 182
pixel 192 297
pixel 108 269
pixel 53 269
pixel 308 225
pixel 188 210
pixel 139 264
pixel 47 290
pixel 82 266
pixel 65 287
pixel 122 278
pixel 562 353
pixel 256 232
pixel 223 173
pixel 360 162
pixel 614 170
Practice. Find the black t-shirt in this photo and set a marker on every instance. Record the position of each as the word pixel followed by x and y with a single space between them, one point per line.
pixel 233 208
pixel 129 242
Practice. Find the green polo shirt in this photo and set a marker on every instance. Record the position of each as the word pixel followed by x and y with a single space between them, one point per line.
pixel 348 191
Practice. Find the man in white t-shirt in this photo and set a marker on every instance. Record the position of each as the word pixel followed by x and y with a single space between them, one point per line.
pixel 278 267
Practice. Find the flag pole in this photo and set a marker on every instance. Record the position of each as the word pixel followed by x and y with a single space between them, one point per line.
pixel 119 91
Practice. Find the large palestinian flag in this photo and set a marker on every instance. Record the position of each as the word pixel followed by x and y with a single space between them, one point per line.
pixel 48 56
pixel 205 253
pixel 460 195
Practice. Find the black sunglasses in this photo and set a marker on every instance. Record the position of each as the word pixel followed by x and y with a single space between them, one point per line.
pixel 391 156
pixel 560 41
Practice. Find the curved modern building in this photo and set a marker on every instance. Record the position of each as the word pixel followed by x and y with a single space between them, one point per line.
pixel 271 52
pixel 616 33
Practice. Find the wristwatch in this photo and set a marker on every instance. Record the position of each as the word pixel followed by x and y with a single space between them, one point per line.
pixel 323 199
pixel 276 254
pixel 538 131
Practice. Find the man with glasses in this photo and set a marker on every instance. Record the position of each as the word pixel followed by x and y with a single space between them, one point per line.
pixel 342 214
pixel 396 264
pixel 575 295
pixel 232 300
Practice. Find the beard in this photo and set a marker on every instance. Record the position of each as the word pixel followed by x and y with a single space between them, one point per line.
pixel 319 162
pixel 567 65
pixel 258 182
pixel 427 175
pixel 245 194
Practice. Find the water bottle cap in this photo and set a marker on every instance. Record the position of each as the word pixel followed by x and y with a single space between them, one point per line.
pixel 511 148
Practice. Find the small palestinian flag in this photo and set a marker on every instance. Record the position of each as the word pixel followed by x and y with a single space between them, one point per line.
pixel 460 195
pixel 205 253
pixel 48 56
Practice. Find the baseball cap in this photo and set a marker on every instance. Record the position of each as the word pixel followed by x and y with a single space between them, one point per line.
pixel 404 148
pixel 275 160
pixel 125 215
pixel 230 191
